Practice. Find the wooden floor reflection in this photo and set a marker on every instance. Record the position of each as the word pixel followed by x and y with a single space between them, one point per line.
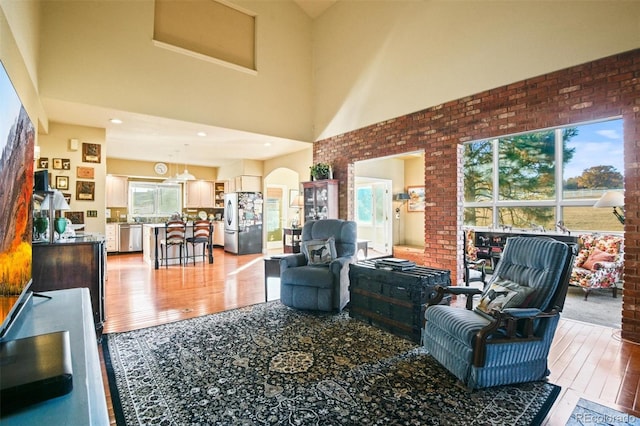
pixel 587 361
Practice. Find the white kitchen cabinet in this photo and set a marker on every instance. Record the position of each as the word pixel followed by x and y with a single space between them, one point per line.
pixel 117 191
pixel 247 183
pixel 199 194
pixel 218 233
pixel 111 234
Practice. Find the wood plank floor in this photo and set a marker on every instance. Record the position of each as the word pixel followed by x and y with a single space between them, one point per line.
pixel 587 361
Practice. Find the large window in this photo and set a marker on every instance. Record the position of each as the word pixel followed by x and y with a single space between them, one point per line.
pixel 154 200
pixel 539 179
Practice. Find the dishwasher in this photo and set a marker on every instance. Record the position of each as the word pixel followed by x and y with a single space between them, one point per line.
pixel 130 237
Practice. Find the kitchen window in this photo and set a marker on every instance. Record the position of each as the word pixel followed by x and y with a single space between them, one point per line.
pixel 154 199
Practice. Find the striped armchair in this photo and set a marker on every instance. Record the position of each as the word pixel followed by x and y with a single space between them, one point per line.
pixel 599 263
pixel 506 338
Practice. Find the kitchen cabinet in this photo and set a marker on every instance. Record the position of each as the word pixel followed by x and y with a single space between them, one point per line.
pixel 320 199
pixel 117 188
pixel 111 234
pixel 218 233
pixel 219 189
pixel 246 183
pixel 199 194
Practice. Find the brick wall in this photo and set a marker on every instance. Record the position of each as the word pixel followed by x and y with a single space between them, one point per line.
pixel 606 88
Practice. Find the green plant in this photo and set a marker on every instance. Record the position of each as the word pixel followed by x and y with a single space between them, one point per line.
pixel 320 170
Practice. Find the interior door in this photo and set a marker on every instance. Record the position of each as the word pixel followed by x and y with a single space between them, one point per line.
pixel 373 213
pixel 274 216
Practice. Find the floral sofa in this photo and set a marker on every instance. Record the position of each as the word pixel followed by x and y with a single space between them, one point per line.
pixel 599 263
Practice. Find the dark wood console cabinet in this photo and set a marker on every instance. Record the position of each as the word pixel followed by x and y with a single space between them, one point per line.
pixel 73 263
pixel 491 243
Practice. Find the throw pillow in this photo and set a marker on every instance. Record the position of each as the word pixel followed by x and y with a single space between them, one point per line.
pixel 505 294
pixel 597 255
pixel 319 252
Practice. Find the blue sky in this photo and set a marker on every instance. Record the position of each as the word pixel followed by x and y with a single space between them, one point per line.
pixel 597 144
pixel 9 107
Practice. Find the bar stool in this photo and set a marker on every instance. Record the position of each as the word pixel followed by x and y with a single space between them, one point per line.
pixel 174 236
pixel 201 235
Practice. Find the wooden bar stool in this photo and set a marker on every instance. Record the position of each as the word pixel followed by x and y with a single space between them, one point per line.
pixel 174 236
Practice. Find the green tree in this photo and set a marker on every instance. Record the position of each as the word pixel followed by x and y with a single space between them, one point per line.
pixel 600 177
pixel 526 171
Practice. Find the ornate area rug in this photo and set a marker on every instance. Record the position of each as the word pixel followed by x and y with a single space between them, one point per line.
pixel 268 364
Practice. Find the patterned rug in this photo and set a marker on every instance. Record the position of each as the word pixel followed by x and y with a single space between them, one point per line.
pixel 268 364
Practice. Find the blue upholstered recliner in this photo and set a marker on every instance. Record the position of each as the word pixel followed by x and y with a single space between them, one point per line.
pixel 317 279
pixel 506 338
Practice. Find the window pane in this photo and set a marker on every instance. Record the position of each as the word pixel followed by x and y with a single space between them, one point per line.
pixel 379 213
pixel 593 160
pixel 526 166
pixel 142 199
pixel 169 199
pixel 477 216
pixel 590 219
pixel 363 204
pixel 478 170
pixel 527 217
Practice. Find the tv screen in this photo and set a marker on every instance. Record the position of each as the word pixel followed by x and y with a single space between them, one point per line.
pixel 17 139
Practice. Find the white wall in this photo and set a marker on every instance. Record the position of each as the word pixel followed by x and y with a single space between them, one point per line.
pixel 101 53
pixel 374 60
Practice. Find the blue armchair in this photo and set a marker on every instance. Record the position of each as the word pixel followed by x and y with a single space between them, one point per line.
pixel 318 277
pixel 506 338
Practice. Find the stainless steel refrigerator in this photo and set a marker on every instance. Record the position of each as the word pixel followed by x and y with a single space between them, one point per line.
pixel 243 213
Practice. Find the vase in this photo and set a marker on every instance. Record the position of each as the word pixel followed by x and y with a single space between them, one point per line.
pixel 60 225
pixel 40 224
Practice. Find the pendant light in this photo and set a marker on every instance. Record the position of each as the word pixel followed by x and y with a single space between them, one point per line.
pixel 184 176
pixel 171 178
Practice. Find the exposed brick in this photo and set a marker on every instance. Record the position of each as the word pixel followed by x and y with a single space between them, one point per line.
pixel 597 90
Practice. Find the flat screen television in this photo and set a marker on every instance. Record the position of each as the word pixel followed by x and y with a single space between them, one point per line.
pixel 17 139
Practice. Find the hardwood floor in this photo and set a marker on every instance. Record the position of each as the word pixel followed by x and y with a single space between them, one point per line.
pixel 587 361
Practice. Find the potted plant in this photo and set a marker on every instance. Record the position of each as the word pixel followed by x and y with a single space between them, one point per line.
pixel 320 171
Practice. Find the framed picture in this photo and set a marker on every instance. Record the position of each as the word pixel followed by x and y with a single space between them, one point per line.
pixel 57 163
pixel 91 152
pixel 43 162
pixel 85 172
pixel 62 182
pixel 66 164
pixel 75 217
pixel 416 199
pixel 85 190
pixel 67 197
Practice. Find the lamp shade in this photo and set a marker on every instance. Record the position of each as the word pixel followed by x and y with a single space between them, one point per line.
pixel 185 175
pixel 610 199
pixel 403 196
pixel 59 203
pixel 297 201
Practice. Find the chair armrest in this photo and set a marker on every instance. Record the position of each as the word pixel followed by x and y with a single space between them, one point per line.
pixel 292 261
pixel 606 265
pixel 440 291
pixel 339 264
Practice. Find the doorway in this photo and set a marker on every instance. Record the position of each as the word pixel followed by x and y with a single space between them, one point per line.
pixel 274 202
pixel 373 213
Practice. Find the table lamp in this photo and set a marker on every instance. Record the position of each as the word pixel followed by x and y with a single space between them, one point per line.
pixel 52 202
pixel 297 202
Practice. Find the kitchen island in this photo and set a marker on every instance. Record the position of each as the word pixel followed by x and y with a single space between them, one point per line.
pixel 153 233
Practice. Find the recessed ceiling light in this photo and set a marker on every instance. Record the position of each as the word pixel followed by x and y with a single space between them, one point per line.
pixel 202 134
pixel 116 121
pixel 267 144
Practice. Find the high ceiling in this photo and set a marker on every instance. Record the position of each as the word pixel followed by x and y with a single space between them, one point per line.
pixel 149 138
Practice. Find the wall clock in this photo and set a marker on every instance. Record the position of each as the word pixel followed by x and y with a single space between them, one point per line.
pixel 160 168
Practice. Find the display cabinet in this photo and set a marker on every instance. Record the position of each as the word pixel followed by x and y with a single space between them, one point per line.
pixel 320 199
